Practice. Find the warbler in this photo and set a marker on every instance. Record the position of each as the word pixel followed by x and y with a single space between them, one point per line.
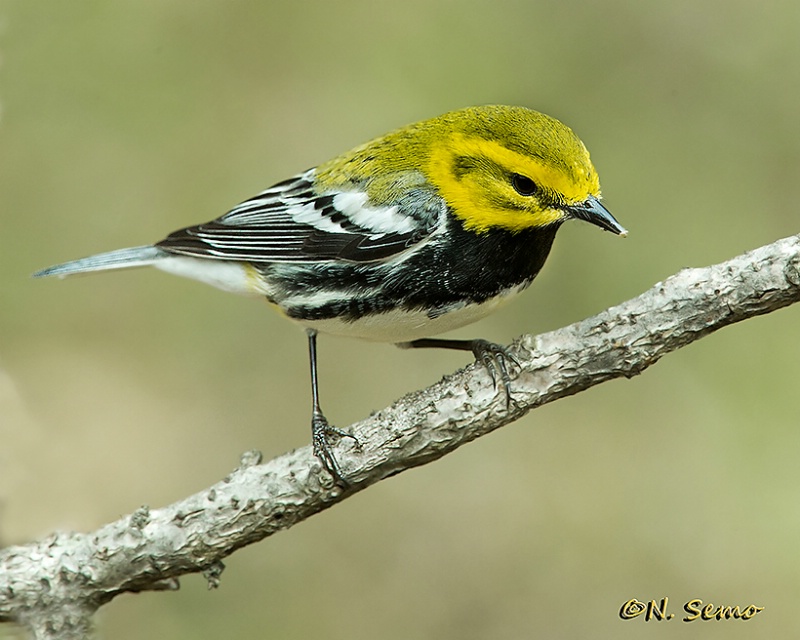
pixel 426 229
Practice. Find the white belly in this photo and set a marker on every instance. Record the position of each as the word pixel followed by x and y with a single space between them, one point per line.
pixel 404 326
pixel 392 326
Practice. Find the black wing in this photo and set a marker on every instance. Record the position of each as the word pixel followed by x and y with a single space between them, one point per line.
pixel 290 222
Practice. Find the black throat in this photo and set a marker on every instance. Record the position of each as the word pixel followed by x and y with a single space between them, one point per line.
pixel 470 267
pixel 455 268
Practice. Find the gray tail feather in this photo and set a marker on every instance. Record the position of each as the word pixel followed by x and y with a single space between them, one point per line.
pixel 119 259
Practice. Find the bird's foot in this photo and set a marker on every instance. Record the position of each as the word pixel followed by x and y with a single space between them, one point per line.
pixel 496 359
pixel 321 432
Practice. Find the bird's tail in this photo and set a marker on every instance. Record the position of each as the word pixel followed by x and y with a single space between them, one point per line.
pixel 120 259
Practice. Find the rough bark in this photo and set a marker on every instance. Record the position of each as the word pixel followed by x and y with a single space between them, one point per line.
pixel 53 586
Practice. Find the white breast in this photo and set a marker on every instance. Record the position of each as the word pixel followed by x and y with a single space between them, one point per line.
pixel 403 326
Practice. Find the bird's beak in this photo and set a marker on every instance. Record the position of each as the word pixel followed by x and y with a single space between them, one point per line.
pixel 592 211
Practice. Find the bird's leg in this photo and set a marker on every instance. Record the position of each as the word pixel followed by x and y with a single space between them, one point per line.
pixel 494 357
pixel 320 428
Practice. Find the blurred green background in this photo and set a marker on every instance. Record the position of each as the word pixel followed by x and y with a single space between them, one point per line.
pixel 123 121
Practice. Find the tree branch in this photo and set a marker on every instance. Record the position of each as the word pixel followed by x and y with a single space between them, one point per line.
pixel 53 586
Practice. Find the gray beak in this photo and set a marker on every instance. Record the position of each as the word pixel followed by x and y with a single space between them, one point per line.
pixel 592 211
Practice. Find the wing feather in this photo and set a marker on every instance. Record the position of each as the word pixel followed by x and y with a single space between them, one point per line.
pixel 289 222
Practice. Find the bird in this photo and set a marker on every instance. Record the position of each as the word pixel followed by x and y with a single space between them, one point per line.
pixel 426 229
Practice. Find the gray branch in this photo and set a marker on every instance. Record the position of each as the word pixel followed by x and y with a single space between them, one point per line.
pixel 54 586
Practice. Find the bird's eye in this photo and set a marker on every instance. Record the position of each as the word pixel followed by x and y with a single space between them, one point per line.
pixel 523 185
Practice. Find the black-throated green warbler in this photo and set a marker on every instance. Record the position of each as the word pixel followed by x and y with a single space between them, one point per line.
pixel 424 230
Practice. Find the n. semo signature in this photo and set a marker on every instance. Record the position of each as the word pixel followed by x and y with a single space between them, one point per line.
pixel 695 610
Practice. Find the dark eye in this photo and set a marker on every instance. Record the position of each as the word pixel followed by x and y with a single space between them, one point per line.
pixel 524 186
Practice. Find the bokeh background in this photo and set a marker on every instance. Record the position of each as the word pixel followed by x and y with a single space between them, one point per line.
pixel 123 121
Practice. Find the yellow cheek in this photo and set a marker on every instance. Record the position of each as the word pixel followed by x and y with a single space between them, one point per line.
pixel 478 204
pixel 480 214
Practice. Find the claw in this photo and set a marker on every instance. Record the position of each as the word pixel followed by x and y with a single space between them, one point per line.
pixel 495 359
pixel 321 430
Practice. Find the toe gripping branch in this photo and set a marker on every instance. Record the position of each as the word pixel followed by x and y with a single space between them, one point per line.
pixel 495 358
pixel 321 429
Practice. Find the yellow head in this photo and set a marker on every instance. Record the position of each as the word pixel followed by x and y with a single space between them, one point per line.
pixel 497 167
